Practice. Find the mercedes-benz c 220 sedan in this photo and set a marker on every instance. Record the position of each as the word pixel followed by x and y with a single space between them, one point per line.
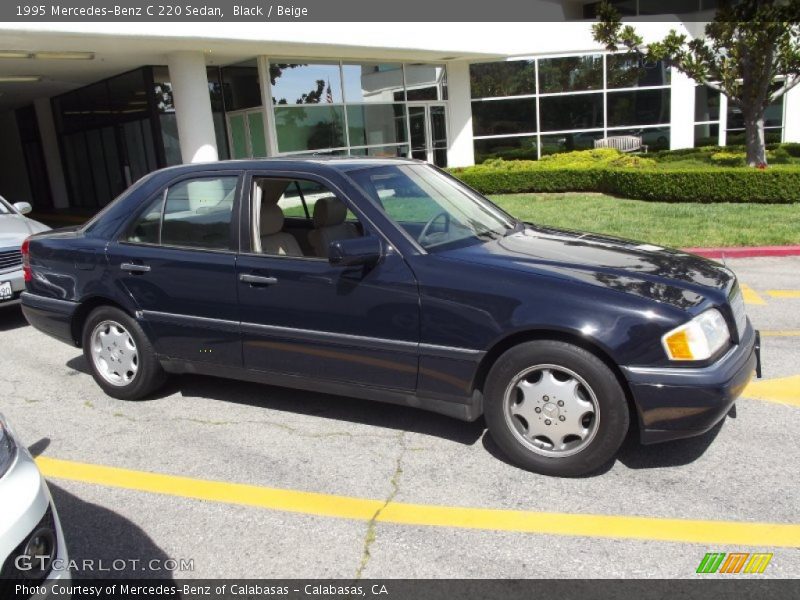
pixel 390 280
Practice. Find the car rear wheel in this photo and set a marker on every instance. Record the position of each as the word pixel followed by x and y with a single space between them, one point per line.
pixel 555 408
pixel 119 354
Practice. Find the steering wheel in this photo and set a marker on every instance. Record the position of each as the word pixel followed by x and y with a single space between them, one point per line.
pixel 430 223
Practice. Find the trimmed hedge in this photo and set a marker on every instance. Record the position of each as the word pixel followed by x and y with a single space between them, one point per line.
pixel 781 185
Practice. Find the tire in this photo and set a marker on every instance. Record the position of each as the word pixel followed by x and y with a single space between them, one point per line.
pixel 126 368
pixel 556 409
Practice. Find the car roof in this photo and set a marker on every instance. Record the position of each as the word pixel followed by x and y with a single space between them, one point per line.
pixel 315 162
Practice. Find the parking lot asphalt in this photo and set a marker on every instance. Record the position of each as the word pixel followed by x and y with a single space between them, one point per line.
pixel 338 487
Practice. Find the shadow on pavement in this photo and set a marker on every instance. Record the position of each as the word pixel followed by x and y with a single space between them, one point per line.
pixel 11 318
pixel 339 408
pixel 667 454
pixel 100 535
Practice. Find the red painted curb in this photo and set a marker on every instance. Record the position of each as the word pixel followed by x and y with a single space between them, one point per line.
pixel 746 252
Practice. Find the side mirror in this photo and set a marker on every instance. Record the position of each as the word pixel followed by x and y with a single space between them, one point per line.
pixel 23 207
pixel 355 251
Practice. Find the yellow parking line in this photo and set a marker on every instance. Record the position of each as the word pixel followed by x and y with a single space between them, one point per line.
pixel 780 333
pixel 363 509
pixel 783 390
pixel 784 293
pixel 749 295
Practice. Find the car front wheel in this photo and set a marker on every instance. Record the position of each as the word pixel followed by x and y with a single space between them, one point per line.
pixel 119 354
pixel 555 408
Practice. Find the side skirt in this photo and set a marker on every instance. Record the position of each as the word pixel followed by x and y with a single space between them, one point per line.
pixel 469 411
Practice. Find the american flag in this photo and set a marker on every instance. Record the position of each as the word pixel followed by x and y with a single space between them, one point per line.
pixel 329 93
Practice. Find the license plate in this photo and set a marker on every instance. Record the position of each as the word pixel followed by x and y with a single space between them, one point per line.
pixel 6 293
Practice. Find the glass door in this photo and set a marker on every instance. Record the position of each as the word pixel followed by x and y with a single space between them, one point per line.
pixel 246 131
pixel 428 132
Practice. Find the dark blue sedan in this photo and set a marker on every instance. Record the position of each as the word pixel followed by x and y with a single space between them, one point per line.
pixel 390 280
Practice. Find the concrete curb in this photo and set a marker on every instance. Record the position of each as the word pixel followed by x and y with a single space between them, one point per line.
pixel 746 252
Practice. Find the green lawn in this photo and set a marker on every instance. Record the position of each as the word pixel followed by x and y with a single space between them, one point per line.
pixel 669 224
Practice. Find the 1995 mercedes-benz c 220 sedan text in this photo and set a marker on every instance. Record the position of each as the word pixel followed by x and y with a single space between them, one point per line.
pixel 390 280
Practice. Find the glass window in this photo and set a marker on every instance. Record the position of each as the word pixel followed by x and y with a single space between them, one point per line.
pixel 581 111
pixel 128 94
pixel 426 82
pixel 674 7
pixel 373 82
pixel 625 70
pixel 641 107
pixel 376 124
pixel 297 83
pixel 571 73
pixel 381 151
pixel 706 135
pixel 510 148
pixel 706 104
pixel 198 213
pixel 302 128
pixel 434 209
pixel 773 116
pixel 240 86
pixel 258 141
pixel 147 228
pixel 567 142
pixel 512 78
pixel 498 117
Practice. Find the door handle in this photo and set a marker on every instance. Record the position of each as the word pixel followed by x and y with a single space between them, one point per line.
pixel 132 268
pixel 257 279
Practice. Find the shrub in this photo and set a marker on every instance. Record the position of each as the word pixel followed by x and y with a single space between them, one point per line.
pixel 728 159
pixel 701 184
pixel 779 156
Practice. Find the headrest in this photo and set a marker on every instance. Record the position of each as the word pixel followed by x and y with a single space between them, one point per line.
pixel 271 219
pixel 329 211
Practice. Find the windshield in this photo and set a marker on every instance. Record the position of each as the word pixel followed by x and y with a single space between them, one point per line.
pixel 434 209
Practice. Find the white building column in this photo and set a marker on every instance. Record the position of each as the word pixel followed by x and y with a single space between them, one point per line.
pixel 187 73
pixel 461 152
pixel 682 94
pixel 52 153
pixel 791 115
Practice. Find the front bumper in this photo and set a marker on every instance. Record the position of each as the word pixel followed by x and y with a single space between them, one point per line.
pixel 27 506
pixel 676 403
pixel 17 280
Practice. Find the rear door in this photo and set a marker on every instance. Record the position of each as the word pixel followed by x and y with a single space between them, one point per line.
pixel 306 317
pixel 177 261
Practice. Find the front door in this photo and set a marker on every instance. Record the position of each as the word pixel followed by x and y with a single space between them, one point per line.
pixel 178 263
pixel 303 316
pixel 428 125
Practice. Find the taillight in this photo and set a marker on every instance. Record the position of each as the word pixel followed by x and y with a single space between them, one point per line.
pixel 26 260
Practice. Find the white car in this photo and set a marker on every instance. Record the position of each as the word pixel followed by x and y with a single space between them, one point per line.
pixel 14 228
pixel 31 540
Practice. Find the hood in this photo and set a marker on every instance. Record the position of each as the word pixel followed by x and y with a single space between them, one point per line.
pixel 653 272
pixel 15 228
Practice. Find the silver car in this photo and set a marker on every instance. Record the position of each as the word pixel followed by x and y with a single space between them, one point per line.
pixel 32 548
pixel 14 228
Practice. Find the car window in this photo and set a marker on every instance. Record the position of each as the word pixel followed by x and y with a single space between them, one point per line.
pixel 4 208
pixel 147 228
pixel 284 220
pixel 195 213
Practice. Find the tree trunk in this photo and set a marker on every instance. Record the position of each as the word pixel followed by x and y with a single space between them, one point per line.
pixel 754 140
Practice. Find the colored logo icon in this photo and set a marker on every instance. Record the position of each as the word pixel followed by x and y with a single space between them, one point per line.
pixel 735 562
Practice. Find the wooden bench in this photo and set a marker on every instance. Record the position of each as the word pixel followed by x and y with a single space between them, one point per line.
pixel 623 143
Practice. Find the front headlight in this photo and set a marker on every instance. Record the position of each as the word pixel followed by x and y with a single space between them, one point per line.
pixel 8 448
pixel 699 339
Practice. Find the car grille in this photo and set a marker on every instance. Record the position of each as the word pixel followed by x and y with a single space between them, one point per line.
pixel 10 259
pixel 737 307
pixel 9 575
